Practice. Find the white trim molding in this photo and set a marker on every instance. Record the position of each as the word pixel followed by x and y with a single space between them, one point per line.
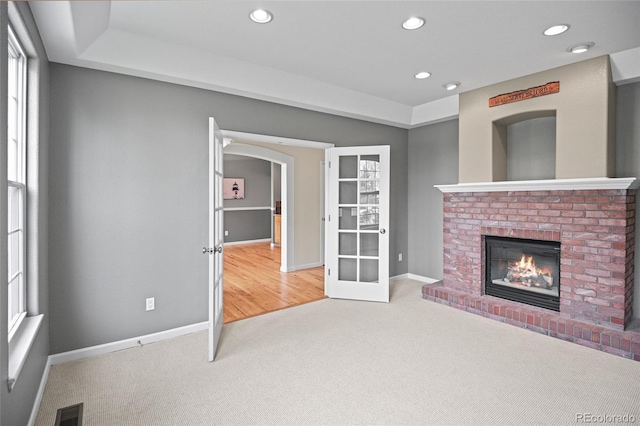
pixel 40 394
pixel 307 266
pixel 238 243
pixel 126 343
pixel 414 277
pixel 543 185
pixel 19 346
pixel 241 209
pixel 233 135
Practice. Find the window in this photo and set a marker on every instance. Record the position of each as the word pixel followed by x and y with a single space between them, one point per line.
pixel 16 176
pixel 23 164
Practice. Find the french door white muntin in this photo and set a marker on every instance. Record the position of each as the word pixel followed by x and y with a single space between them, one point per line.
pixel 358 223
pixel 215 237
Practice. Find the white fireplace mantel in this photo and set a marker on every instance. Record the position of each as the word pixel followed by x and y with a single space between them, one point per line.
pixel 543 185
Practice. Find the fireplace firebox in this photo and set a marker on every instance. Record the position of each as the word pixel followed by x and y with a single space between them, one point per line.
pixel 525 271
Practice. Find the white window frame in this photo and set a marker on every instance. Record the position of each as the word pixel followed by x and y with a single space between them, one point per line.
pixel 16 180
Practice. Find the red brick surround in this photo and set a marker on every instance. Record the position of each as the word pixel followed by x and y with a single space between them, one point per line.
pixel 596 231
pixel 595 228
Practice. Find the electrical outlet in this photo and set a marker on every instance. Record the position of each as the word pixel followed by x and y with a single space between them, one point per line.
pixel 400 257
pixel 226 233
pixel 151 303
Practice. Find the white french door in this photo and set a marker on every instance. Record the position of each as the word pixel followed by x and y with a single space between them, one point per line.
pixel 357 223
pixel 216 237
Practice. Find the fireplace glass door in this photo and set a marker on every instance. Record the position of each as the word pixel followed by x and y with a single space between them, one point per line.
pixel 526 271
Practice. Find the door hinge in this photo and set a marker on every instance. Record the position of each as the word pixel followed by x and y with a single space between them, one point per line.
pixel 329 164
pixel 329 272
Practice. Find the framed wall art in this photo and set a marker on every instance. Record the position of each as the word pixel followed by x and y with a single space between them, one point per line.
pixel 233 188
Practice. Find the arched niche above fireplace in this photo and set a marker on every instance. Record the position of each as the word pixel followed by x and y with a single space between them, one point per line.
pixel 525 146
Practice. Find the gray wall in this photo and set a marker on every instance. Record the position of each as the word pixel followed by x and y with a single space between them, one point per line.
pixel 247 225
pixel 252 224
pixel 257 180
pixel 628 159
pixel 16 406
pixel 128 211
pixel 433 160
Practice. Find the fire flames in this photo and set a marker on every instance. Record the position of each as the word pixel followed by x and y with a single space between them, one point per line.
pixel 525 272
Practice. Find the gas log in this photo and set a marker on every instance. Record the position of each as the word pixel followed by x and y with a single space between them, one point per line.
pixel 528 279
pixel 526 273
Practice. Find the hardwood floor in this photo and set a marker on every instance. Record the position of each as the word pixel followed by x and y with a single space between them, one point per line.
pixel 254 285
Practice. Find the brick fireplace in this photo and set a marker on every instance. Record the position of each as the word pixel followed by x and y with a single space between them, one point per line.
pixel 576 205
pixel 594 224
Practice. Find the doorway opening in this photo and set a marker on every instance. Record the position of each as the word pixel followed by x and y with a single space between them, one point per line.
pixel 286 163
pixel 262 276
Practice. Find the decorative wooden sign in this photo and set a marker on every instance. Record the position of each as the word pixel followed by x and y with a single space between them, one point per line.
pixel 521 95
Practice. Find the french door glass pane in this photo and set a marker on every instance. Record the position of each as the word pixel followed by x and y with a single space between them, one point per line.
pixel 347 269
pixel 369 167
pixel 369 218
pixel 369 270
pixel 217 179
pixel 347 244
pixel 348 218
pixel 369 198
pixel 219 306
pixel 369 192
pixel 369 244
pixel 348 192
pixel 348 167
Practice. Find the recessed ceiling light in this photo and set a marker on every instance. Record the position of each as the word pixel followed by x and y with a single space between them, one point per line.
pixel 261 16
pixel 422 75
pixel 451 86
pixel 556 29
pixel 580 47
pixel 413 23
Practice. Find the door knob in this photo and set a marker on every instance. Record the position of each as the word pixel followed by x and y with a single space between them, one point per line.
pixel 382 231
pixel 214 250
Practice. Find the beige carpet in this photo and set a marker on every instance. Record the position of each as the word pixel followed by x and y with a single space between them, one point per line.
pixel 335 362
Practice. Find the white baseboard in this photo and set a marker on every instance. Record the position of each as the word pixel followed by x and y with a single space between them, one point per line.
pixel 307 266
pixel 125 344
pixel 409 276
pixel 237 243
pixel 40 394
pixel 301 267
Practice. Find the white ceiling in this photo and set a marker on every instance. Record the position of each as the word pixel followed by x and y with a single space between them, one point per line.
pixel 350 58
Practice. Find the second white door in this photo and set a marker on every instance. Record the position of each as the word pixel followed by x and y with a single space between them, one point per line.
pixel 357 263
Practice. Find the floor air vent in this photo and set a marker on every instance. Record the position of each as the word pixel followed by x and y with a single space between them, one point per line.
pixel 69 416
